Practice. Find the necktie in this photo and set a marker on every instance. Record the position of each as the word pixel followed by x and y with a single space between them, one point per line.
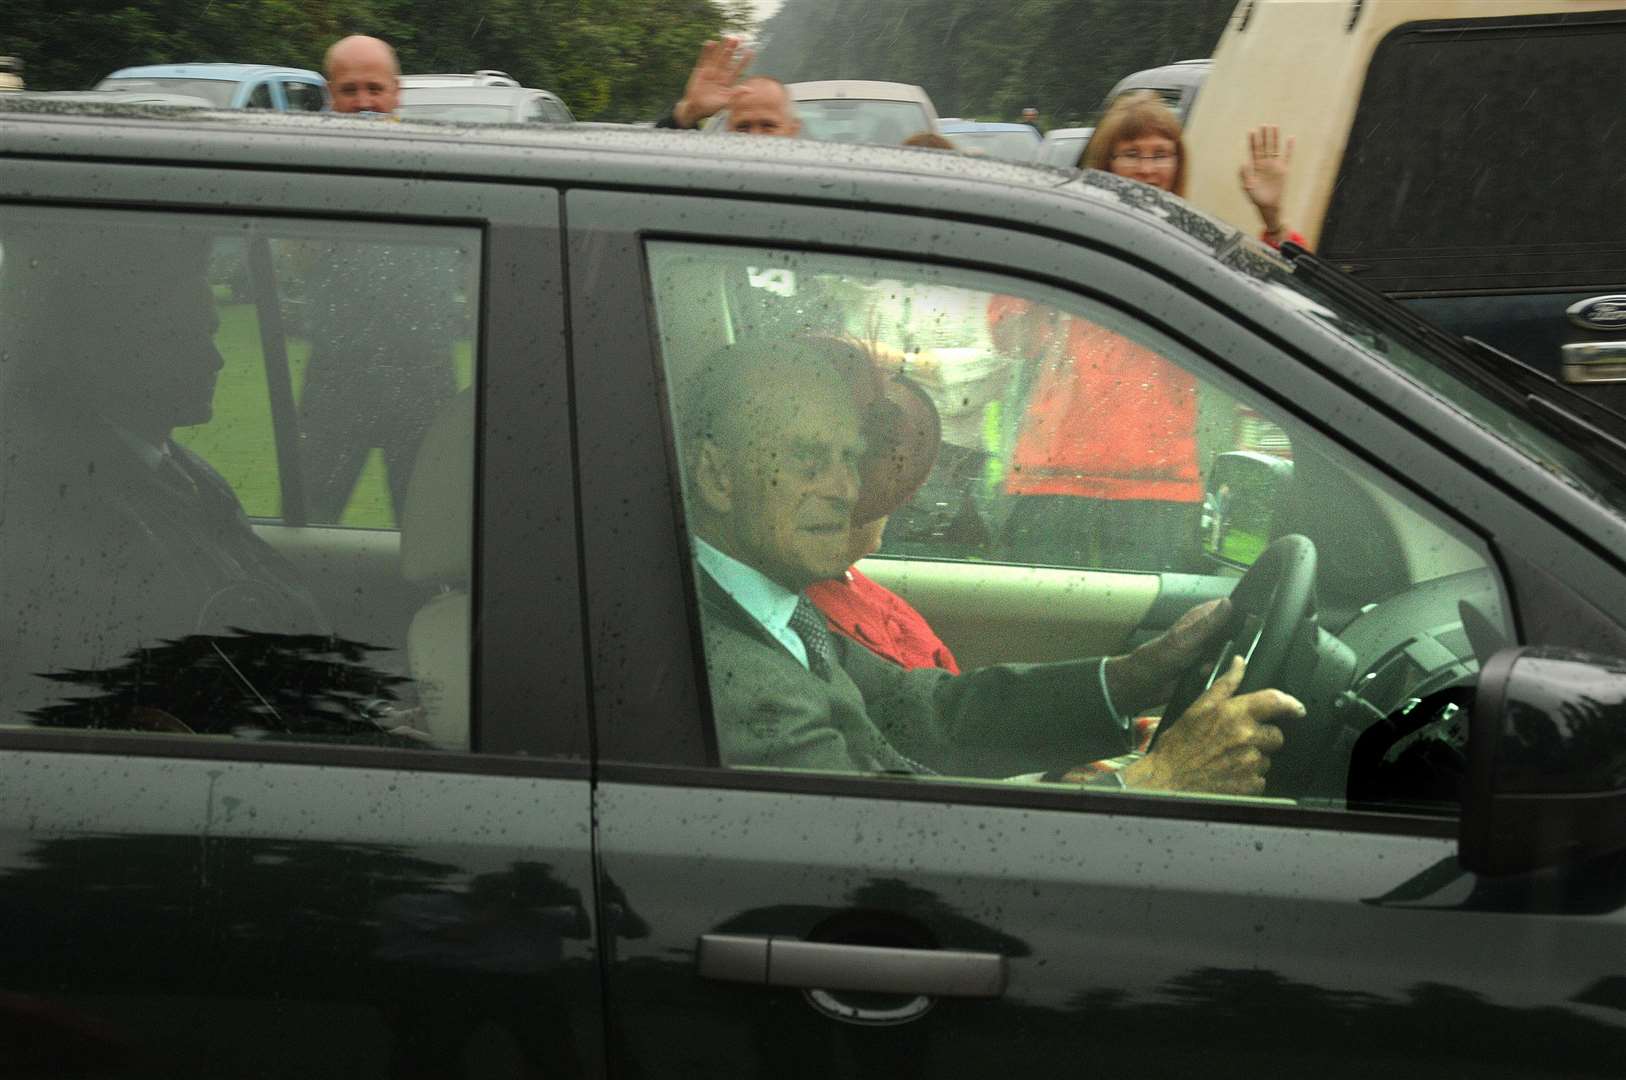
pixel 808 622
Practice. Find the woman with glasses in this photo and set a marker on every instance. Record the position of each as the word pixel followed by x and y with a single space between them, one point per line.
pixel 1104 465
pixel 1141 138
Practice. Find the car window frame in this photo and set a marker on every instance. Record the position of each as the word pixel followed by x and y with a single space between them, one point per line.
pixel 532 538
pixel 608 231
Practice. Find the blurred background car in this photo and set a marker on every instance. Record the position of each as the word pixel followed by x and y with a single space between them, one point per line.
pixel 862 111
pixel 228 86
pixel 482 104
pixel 1011 142
pixel 11 73
pixel 1177 84
pixel 1063 147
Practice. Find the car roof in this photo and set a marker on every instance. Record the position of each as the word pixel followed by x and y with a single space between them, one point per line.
pixel 721 165
pixel 223 72
pixel 1182 73
pixel 1068 133
pixel 483 77
pixel 865 89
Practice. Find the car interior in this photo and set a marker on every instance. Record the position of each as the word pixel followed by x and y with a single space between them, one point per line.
pixel 1381 620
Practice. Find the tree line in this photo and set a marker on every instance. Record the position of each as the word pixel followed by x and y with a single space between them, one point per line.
pixel 609 59
pixel 988 59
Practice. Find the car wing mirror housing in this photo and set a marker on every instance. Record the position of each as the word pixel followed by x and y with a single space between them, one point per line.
pixel 1239 506
pixel 1546 761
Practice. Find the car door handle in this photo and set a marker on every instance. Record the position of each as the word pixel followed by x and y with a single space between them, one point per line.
pixel 1595 362
pixel 816 965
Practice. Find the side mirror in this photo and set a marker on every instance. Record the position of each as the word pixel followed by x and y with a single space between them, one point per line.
pixel 1239 507
pixel 1546 761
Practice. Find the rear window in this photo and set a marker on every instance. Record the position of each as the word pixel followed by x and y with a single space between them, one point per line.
pixel 848 120
pixel 1468 140
pixel 458 112
pixel 1008 145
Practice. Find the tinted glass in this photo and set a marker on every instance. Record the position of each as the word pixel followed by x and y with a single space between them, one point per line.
pixel 178 388
pixel 1511 158
pixel 976 488
pixel 216 91
pixel 260 98
pixel 850 120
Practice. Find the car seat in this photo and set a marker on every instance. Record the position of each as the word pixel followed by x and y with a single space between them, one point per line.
pixel 437 532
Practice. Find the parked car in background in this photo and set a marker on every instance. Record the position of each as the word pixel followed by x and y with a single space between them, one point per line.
pixel 441 793
pixel 487 104
pixel 1177 84
pixel 1441 156
pixel 861 111
pixel 11 74
pixel 228 86
pixel 1010 142
pixel 1063 147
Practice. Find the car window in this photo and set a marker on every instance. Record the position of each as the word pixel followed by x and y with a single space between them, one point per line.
pixel 303 96
pixel 983 486
pixel 852 120
pixel 260 97
pixel 183 394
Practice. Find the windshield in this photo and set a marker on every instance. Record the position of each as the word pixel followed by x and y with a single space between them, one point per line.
pixel 1422 361
pixel 852 120
pixel 1009 145
pixel 457 112
pixel 217 91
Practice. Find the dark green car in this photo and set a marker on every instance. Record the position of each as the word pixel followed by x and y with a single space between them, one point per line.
pixel 362 711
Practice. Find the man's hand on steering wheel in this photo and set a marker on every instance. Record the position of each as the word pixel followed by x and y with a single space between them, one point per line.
pixel 1222 743
pixel 1147 676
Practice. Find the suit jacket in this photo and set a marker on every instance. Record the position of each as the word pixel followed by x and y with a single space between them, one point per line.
pixel 873 716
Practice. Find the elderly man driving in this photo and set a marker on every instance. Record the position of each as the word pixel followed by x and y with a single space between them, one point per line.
pixel 781 442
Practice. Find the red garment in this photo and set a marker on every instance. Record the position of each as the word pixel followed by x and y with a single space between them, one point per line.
pixel 881 621
pixel 1107 419
pixel 1294 237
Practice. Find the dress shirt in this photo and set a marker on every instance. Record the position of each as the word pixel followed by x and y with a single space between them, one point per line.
pixel 764 599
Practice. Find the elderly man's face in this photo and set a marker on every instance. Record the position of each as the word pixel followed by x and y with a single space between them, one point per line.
pixel 363 80
pixel 789 478
pixel 762 108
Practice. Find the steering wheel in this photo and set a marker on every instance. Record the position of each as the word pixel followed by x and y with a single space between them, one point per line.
pixel 1273 618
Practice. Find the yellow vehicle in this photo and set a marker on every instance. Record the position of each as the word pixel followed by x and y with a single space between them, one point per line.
pixel 1462 155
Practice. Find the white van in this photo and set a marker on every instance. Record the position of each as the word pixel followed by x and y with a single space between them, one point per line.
pixel 1468 156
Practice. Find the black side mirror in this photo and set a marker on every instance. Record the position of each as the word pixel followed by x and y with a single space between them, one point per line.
pixel 1239 507
pixel 1546 761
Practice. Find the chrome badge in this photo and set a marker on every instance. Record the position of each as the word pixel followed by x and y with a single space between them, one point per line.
pixel 1599 313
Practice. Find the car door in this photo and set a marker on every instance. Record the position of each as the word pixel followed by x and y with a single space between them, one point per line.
pixel 333 820
pixel 778 921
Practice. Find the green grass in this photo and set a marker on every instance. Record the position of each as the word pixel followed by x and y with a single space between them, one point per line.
pixel 239 442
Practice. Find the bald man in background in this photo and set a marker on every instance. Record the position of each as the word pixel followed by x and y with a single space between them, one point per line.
pixel 363 75
pixel 381 319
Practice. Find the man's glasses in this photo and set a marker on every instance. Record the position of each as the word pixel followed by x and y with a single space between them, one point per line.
pixel 1162 159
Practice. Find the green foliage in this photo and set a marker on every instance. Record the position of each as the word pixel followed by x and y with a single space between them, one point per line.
pixel 609 59
pixel 990 58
